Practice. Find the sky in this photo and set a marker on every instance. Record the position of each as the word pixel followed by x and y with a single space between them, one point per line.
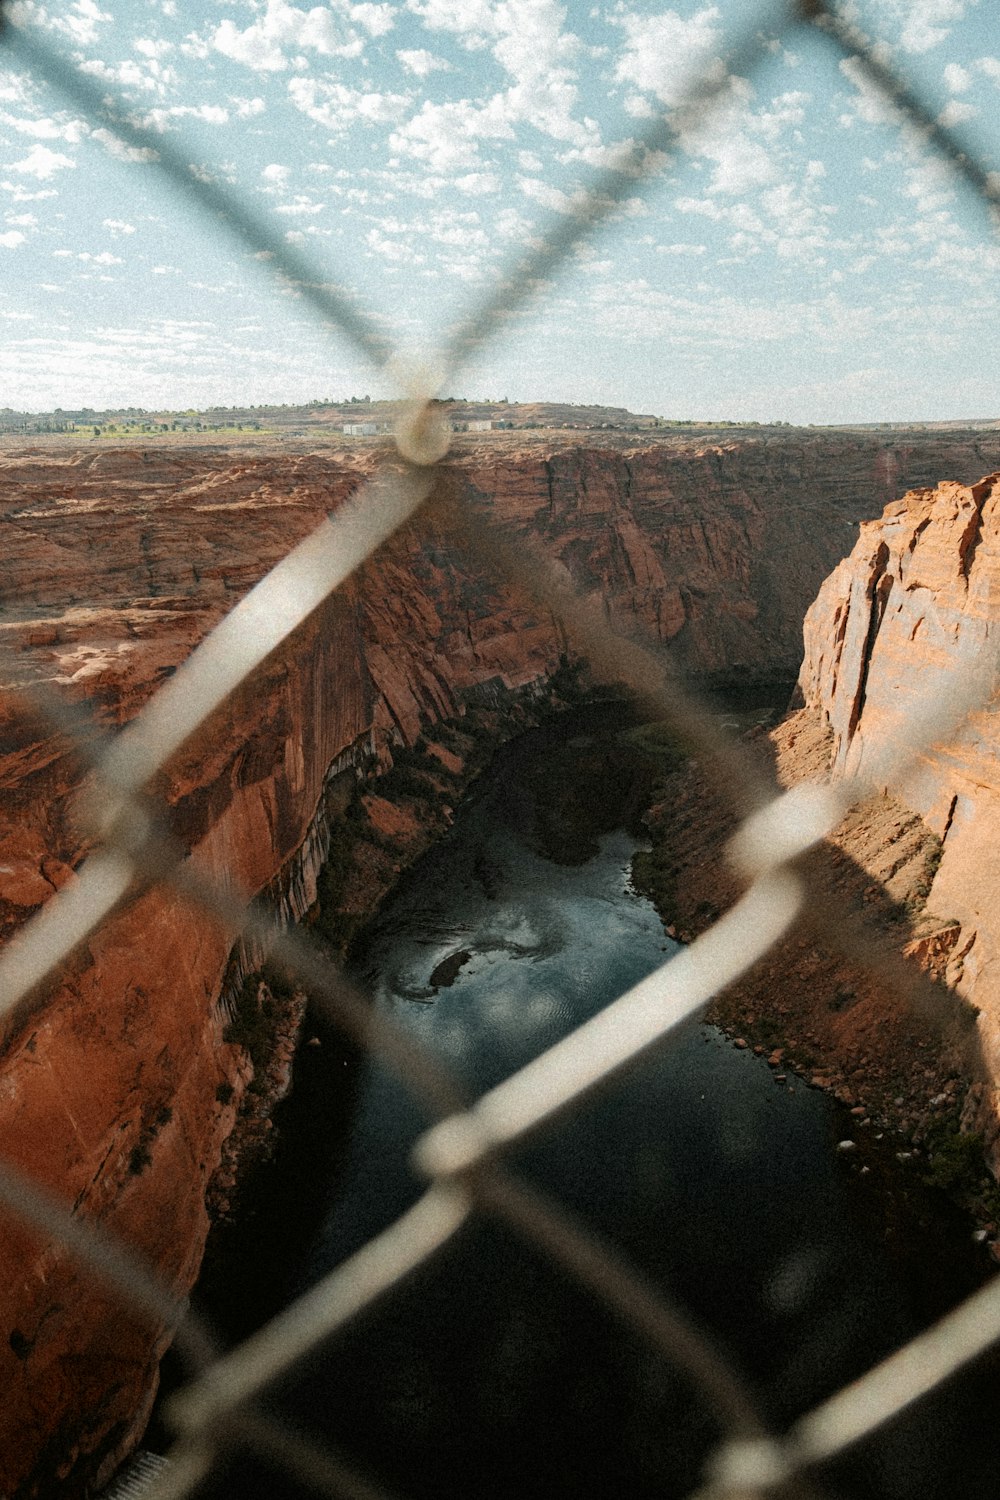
pixel 795 256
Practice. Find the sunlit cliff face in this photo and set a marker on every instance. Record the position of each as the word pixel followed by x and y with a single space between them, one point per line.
pixel 908 622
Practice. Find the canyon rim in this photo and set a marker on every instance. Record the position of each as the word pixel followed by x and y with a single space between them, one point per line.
pixel 119 1086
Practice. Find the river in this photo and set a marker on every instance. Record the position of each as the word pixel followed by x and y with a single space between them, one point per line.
pixel 489 1375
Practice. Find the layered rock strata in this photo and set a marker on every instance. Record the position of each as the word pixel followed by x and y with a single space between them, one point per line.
pixel 118 1090
pixel 910 623
pixel 900 643
pixel 717 549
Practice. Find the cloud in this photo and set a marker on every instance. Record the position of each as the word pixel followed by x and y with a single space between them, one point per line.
pixel 551 197
pixel 301 205
pixel 458 228
pixel 153 46
pixel 150 75
pixel 422 63
pixel 120 150
pixel 10 239
pixel 528 40
pixel 931 184
pixel 957 79
pixel 741 164
pixel 43 163
pixel 13 88
pixel 785 110
pixel 478 184
pixel 118 226
pixel 957 112
pixel 284 30
pixel 208 114
pixel 82 20
pixel 20 194
pixel 925 23
pixel 337 107
pixel 472 20
pixel 79 22
pixel 446 136
pixel 663 53
pixel 396 252
pixel 682 249
pixel 869 105
pixel 46 129
pixel 301 236
pixel 377 20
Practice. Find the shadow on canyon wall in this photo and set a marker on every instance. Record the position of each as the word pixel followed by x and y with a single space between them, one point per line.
pixel 900 1071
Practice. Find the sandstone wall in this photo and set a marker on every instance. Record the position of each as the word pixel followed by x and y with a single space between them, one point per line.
pixel 908 617
pixel 120 1090
pixel 718 549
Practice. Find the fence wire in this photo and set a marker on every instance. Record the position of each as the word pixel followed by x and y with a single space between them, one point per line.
pixel 466 1155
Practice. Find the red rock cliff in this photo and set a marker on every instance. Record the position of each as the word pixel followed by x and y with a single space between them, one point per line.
pixel 120 1091
pixel 114 1094
pixel 912 612
pixel 719 548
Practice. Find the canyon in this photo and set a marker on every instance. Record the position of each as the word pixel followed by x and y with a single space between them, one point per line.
pixel 119 1087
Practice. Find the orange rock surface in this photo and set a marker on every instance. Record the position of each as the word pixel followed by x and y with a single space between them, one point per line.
pixel 908 621
pixel 118 1090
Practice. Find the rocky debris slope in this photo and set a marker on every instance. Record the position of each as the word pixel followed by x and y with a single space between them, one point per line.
pixel 808 1004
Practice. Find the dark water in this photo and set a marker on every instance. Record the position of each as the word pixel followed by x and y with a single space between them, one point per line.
pixel 490 1375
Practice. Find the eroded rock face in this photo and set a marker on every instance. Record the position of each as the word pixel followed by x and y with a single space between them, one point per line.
pixel 717 549
pixel 117 1090
pixel 910 622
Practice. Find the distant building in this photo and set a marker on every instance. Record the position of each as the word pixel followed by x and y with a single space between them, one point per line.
pixel 361 429
pixel 480 425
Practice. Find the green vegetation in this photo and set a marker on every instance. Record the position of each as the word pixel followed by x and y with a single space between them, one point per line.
pixel 955 1157
pixel 932 860
pixel 139 1159
pixel 586 788
pixel 660 739
pixel 253 1026
pixel 141 1155
pixel 566 681
pixel 336 925
pixel 653 876
pixel 957 1165
pixel 654 870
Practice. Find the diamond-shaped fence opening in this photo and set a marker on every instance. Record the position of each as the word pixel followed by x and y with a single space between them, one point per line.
pixel 470 1155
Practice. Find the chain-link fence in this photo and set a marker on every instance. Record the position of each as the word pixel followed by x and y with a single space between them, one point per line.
pixel 466 1157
